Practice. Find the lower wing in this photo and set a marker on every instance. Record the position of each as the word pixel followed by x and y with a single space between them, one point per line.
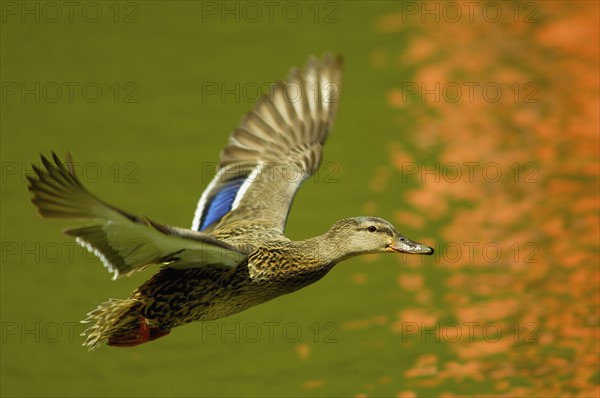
pixel 125 243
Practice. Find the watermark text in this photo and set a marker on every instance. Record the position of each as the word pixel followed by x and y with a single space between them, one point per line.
pixel 69 11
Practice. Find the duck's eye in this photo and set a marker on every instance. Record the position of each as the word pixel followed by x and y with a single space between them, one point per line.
pixel 372 228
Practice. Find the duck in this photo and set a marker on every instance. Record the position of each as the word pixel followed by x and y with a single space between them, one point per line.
pixel 236 254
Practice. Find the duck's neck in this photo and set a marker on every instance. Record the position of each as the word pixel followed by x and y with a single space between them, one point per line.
pixel 323 248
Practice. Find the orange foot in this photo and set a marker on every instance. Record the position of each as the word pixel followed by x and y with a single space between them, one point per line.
pixel 144 334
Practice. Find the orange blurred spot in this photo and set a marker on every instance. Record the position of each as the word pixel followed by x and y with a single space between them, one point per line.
pixel 411 282
pixel 493 310
pixel 461 371
pixel 379 59
pixel 409 218
pixel 577 34
pixel 478 349
pixel 390 23
pixel 303 351
pixel 426 365
pixel 370 207
pixel 395 98
pixel 417 316
pixel 359 278
pixel 385 380
pixel 419 49
pixel 312 384
pixel 379 182
pixel 399 157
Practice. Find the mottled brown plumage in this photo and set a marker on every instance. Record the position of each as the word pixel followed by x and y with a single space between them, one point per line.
pixel 236 255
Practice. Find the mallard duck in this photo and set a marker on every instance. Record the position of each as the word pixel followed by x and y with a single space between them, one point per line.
pixel 236 254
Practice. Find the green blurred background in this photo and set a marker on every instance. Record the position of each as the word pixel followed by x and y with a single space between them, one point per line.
pixel 156 88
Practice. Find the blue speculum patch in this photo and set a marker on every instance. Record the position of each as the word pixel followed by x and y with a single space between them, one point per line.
pixel 220 203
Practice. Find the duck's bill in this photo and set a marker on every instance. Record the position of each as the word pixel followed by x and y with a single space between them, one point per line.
pixel 409 247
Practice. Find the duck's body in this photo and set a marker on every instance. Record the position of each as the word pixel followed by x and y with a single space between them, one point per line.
pixel 175 297
pixel 236 254
pixel 275 266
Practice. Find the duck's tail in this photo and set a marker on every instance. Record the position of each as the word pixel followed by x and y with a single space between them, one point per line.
pixel 119 323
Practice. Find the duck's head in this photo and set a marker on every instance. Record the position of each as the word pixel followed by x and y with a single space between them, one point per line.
pixel 362 235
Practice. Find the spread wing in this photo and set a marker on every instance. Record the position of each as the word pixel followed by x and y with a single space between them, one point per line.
pixel 276 146
pixel 125 243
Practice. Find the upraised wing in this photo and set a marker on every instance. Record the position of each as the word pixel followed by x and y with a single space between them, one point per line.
pixel 276 146
pixel 125 243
